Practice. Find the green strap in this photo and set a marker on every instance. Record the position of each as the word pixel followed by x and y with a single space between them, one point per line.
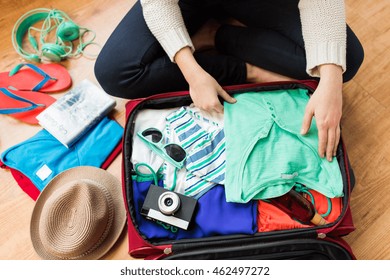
pixel 303 189
pixel 152 174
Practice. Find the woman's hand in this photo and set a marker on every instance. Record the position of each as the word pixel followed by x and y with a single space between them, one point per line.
pixel 204 89
pixel 326 106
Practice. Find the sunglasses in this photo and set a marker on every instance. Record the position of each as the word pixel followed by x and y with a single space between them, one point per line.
pixel 171 152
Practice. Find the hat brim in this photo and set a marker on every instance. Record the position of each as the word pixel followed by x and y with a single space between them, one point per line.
pixel 99 175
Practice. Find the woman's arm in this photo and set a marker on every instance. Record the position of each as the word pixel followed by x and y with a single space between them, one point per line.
pixel 324 33
pixel 165 21
pixel 204 89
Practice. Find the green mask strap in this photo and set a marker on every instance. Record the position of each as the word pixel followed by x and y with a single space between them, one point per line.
pixel 303 189
pixel 152 174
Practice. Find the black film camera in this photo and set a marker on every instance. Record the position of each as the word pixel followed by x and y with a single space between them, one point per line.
pixel 168 207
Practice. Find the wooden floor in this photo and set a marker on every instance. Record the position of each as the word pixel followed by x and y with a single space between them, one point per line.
pixel 366 123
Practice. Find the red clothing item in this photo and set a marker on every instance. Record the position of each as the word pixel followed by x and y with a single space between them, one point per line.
pixel 271 218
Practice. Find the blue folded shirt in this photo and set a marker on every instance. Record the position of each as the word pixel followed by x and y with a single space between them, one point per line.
pixel 42 157
pixel 214 216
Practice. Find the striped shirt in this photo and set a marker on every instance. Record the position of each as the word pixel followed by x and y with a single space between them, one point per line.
pixel 204 142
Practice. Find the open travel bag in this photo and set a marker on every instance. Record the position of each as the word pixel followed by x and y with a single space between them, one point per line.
pixel 217 229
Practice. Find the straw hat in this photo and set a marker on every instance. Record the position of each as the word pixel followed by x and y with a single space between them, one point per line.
pixel 79 215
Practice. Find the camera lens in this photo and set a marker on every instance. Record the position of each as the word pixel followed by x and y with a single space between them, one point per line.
pixel 169 203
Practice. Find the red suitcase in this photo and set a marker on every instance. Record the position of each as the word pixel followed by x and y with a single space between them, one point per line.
pixel 316 242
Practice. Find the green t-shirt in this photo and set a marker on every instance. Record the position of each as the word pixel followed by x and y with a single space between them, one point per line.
pixel 265 152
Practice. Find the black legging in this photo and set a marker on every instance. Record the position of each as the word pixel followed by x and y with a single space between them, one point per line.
pixel 132 63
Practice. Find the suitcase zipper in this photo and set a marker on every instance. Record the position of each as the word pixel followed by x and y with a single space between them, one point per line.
pixel 321 235
pixel 279 249
pixel 168 251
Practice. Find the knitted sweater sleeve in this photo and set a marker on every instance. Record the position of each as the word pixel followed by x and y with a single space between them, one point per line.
pixel 324 33
pixel 165 21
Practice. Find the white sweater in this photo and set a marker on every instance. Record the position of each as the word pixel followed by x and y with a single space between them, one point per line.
pixel 323 28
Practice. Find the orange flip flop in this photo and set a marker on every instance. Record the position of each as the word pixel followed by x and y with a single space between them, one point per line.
pixel 24 105
pixel 48 78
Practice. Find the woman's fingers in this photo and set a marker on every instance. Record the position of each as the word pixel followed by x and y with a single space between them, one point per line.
pixel 226 96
